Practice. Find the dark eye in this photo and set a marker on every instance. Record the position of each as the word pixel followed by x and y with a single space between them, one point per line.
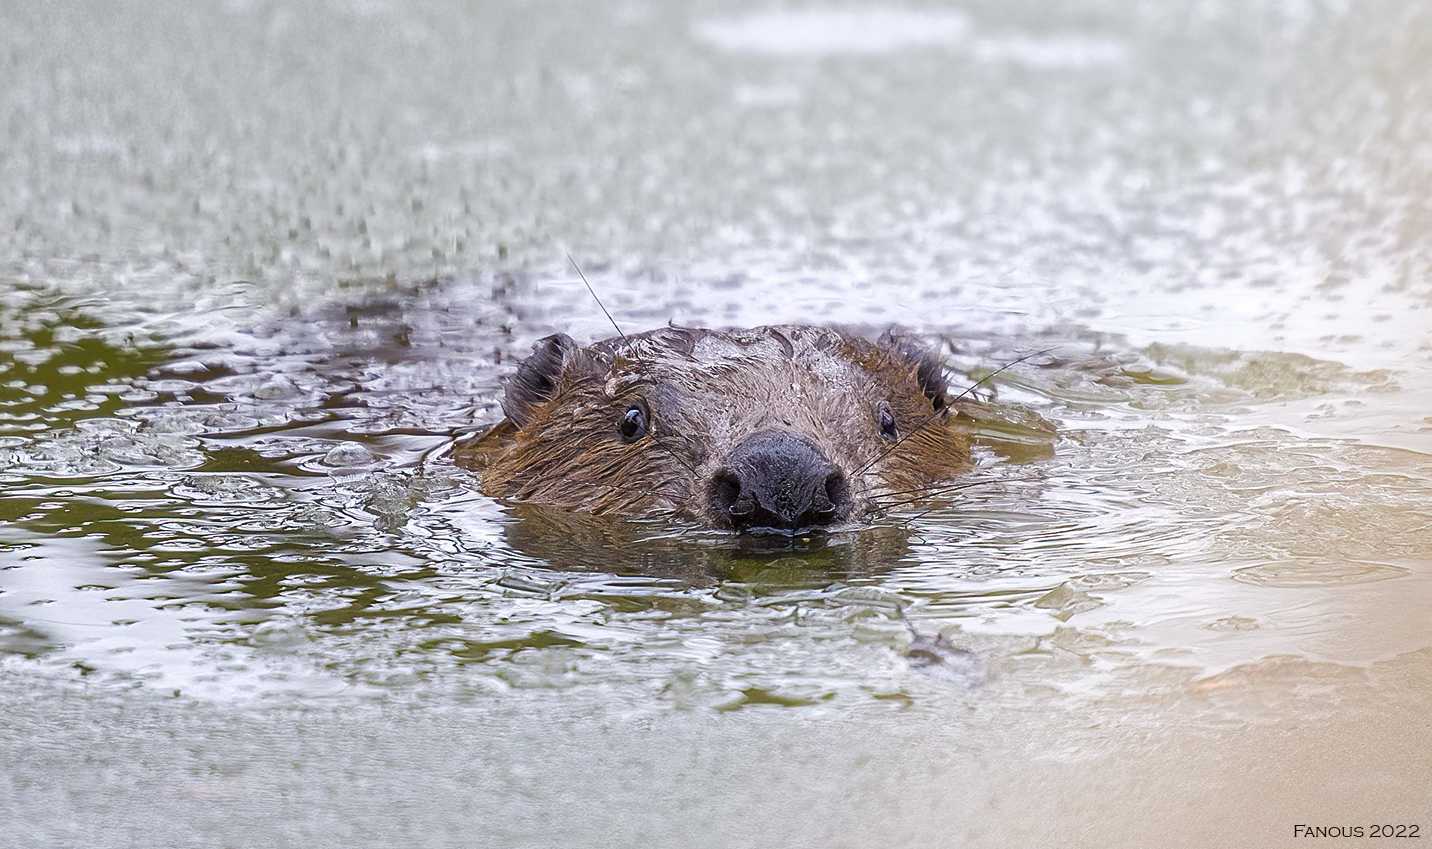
pixel 887 420
pixel 634 422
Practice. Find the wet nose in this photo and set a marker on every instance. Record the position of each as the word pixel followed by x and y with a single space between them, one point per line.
pixel 780 481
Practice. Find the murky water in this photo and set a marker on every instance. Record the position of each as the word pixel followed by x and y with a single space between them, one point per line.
pixel 264 261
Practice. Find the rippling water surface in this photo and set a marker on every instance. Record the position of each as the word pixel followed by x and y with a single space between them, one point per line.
pixel 265 261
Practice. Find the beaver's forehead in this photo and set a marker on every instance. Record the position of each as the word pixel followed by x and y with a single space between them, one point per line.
pixel 766 359
pixel 786 391
pixel 774 384
pixel 772 365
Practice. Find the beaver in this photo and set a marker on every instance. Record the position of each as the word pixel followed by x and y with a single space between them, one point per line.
pixel 786 429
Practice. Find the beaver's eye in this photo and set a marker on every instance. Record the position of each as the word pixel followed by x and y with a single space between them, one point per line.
pixel 887 420
pixel 633 424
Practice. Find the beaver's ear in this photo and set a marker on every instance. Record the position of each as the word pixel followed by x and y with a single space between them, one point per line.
pixel 929 368
pixel 536 378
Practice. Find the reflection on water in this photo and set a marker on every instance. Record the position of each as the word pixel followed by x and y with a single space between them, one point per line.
pixel 272 512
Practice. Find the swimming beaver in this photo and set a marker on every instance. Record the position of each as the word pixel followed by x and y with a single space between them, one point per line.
pixel 783 429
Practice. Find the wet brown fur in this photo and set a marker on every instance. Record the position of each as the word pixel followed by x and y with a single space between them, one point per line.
pixel 706 391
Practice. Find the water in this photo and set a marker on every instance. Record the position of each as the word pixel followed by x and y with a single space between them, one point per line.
pixel 265 261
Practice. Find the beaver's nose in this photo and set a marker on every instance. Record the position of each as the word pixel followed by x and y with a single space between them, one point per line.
pixel 780 481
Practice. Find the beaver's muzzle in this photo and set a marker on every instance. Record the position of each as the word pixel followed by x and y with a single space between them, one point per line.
pixel 775 480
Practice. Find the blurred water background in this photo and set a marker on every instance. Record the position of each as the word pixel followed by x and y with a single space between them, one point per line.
pixel 261 260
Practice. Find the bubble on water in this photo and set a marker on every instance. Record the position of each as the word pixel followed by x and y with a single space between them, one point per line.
pixel 1233 623
pixel 277 388
pixel 1316 573
pixel 348 455
pixel 1065 601
pixel 527 584
pixel 177 421
pixel 873 597
pixel 103 446
pixel 1108 580
pixel 171 386
pixel 280 634
pixel 225 488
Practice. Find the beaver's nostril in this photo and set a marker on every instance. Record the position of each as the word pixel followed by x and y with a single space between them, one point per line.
pixel 726 494
pixel 837 491
pixel 778 481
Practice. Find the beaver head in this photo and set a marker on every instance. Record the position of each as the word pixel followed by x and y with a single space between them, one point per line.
pixel 773 428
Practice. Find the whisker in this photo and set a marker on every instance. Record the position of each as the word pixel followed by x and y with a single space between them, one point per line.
pixel 886 508
pixel 675 456
pixel 593 293
pixel 944 484
pixel 932 489
pixel 1009 364
pixel 655 491
pixel 937 491
pixel 635 355
pixel 918 516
